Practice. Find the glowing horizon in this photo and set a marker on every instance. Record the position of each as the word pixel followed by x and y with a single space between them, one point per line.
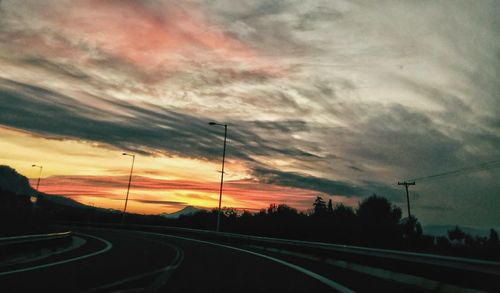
pixel 103 180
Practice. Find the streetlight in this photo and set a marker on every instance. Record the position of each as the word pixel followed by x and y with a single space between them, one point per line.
pixel 128 188
pixel 34 199
pixel 222 173
pixel 39 175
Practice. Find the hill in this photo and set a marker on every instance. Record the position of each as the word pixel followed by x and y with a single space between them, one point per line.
pixel 188 210
pixel 14 182
pixel 18 184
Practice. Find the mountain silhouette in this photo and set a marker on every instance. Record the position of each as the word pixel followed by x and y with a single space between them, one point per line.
pixel 188 210
pixel 18 184
pixel 14 182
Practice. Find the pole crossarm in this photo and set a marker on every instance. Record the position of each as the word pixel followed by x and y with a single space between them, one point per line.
pixel 406 184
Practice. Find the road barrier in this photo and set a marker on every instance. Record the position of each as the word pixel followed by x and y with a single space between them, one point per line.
pixel 20 247
pixel 427 271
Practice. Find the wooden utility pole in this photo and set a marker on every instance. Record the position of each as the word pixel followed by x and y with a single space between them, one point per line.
pixel 407 195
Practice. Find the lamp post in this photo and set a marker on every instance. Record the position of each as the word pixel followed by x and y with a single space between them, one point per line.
pixel 39 175
pixel 34 199
pixel 128 188
pixel 222 173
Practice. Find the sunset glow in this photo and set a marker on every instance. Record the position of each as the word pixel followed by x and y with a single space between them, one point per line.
pixel 339 99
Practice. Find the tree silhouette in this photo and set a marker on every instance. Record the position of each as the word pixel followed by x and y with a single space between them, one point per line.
pixel 456 234
pixel 411 228
pixel 319 206
pixel 411 231
pixel 344 225
pixel 493 244
pixel 493 240
pixel 285 210
pixel 330 207
pixel 272 209
pixel 379 221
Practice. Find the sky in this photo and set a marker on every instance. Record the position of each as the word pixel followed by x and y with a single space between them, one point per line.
pixel 339 99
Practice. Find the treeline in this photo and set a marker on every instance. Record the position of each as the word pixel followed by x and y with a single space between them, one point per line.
pixel 374 223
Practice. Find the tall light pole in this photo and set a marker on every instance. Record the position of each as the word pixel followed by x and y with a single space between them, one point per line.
pixel 34 199
pixel 39 175
pixel 222 173
pixel 128 188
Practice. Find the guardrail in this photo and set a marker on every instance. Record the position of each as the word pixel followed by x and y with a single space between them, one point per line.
pixel 15 247
pixel 481 266
pixel 4 241
pixel 436 271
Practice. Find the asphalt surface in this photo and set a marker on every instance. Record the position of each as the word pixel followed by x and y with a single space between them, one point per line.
pixel 128 261
pixel 129 256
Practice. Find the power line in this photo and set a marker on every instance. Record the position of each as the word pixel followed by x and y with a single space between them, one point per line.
pixel 470 169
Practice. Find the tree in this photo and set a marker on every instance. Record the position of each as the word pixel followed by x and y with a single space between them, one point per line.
pixel 456 234
pixel 411 231
pixel 330 207
pixel 493 245
pixel 319 206
pixel 285 210
pixel 272 209
pixel 343 223
pixel 379 221
pixel 493 240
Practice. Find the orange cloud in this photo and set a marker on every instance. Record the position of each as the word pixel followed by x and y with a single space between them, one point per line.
pixel 149 195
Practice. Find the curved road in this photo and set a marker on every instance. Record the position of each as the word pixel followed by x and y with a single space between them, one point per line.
pixel 130 261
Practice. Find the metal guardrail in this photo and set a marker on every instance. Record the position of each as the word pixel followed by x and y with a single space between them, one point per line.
pixel 459 263
pixel 20 247
pixel 14 240
pixel 467 264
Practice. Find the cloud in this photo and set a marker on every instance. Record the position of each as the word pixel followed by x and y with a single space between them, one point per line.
pixel 325 186
pixel 161 202
pixel 245 193
pixel 340 97
pixel 306 182
pixel 140 128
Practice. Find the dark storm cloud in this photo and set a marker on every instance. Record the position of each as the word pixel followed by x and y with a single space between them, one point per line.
pixel 144 129
pixel 306 182
pixel 323 185
pixel 48 113
pixel 149 130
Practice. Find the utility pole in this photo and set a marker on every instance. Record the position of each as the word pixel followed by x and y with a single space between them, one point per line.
pixel 406 184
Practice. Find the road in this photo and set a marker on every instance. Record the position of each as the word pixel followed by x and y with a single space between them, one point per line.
pixel 116 260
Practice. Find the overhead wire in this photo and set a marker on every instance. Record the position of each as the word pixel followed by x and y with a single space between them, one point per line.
pixel 480 167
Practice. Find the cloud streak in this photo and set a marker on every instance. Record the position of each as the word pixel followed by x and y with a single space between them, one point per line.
pixel 341 98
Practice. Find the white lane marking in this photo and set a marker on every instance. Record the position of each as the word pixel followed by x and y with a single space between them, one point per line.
pixel 179 257
pixel 108 247
pixel 307 272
